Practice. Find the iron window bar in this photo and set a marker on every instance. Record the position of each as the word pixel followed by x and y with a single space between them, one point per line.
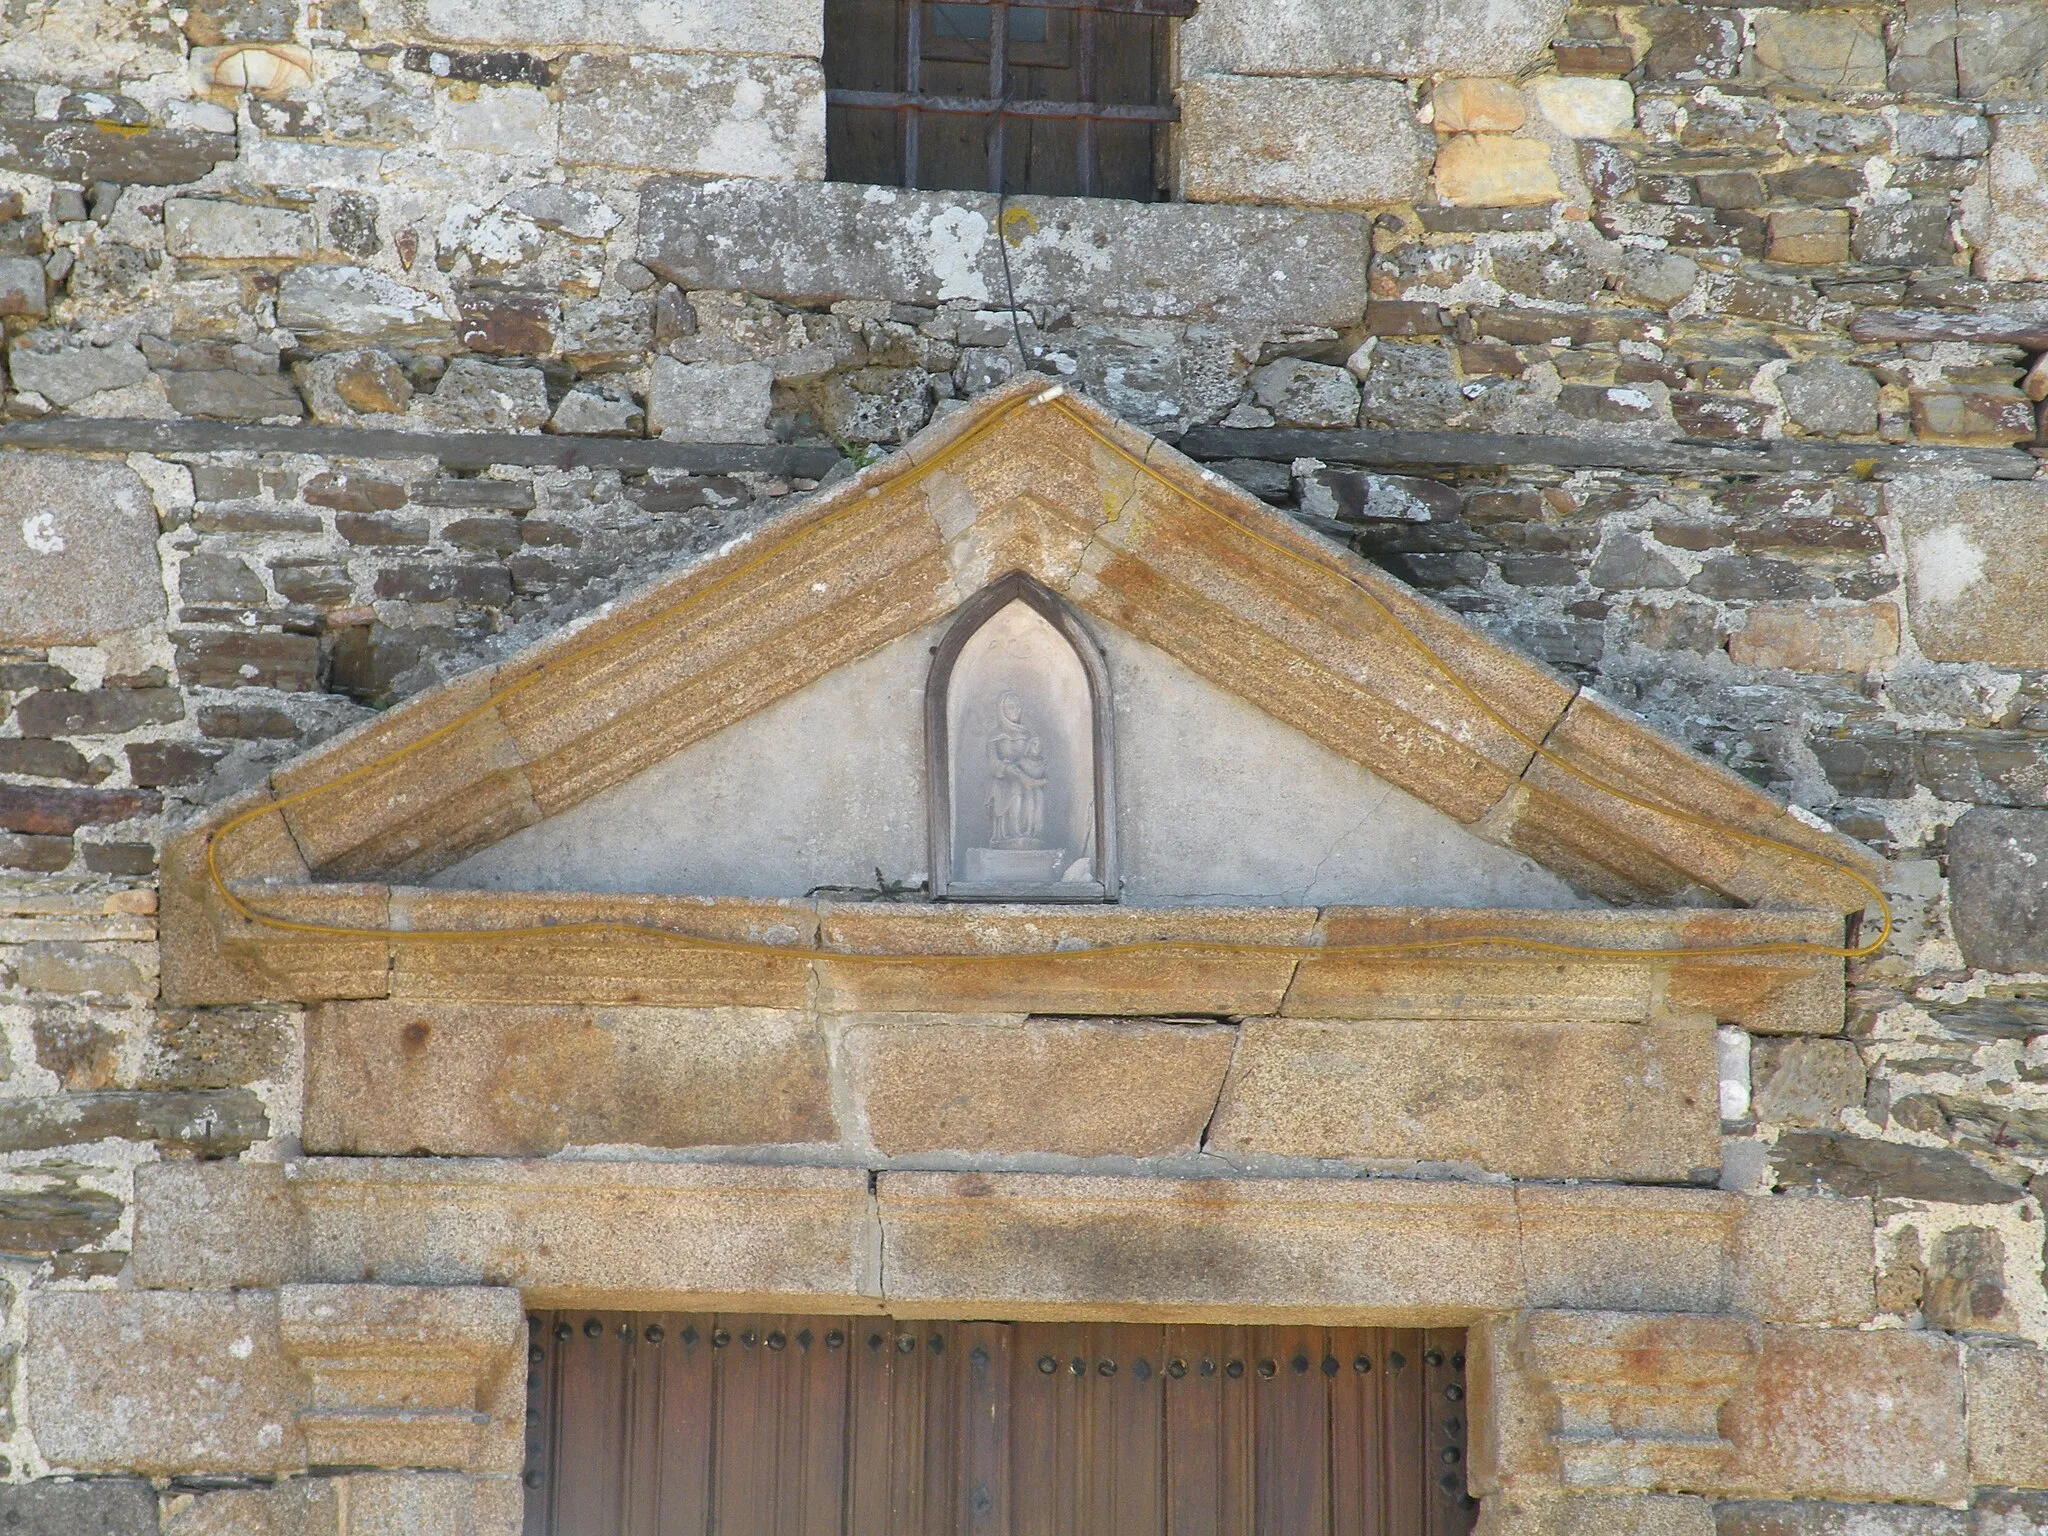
pixel 911 103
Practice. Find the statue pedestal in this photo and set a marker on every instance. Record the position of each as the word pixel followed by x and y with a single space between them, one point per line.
pixel 1012 866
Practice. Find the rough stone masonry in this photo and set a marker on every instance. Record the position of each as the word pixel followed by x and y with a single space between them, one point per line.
pixel 1739 316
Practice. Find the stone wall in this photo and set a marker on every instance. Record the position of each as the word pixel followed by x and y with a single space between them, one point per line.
pixel 1810 232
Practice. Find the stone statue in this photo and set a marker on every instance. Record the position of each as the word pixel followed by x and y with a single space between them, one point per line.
pixel 1016 797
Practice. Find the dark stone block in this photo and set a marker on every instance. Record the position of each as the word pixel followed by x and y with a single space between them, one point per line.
pixel 2009 1512
pixel 210 1124
pixel 47 760
pixel 50 812
pixel 153 764
pixel 247 722
pixel 98 711
pixel 210 577
pixel 368 530
pixel 493 68
pixel 1692 43
pixel 347 491
pixel 98 1507
pixel 503 495
pixel 1998 886
pixel 229 395
pixel 1699 414
pixel 1996 768
pixel 120 858
pixel 213 659
pixel 54 1218
pixel 1842 1164
pixel 40 855
pixel 112 152
pixel 485 584
pixel 508 324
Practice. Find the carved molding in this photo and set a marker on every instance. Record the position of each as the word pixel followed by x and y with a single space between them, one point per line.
pixel 406 1376
pixel 1639 1395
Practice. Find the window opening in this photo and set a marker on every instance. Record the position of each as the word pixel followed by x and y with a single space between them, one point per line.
pixel 1063 97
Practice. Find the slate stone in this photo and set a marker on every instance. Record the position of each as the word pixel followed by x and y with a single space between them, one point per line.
pixel 211 1124
pixel 1998 887
pixel 97 711
pixel 1303 394
pixel 59 1217
pixel 46 760
pixel 125 156
pixel 1805 1082
pixel 357 304
pixel 1912 234
pixel 1853 1165
pixel 23 289
pixel 1966 1281
pixel 212 659
pixel 49 812
pixel 223 394
pixel 96 1507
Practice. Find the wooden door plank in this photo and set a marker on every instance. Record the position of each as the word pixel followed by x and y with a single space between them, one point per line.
pixel 542 1382
pixel 868 1460
pixel 1293 1413
pixel 1402 1407
pixel 1136 1396
pixel 1038 1379
pixel 1355 1433
pixel 747 1467
pixel 822 1392
pixel 984 1364
pixel 688 1417
pixel 590 1471
pixel 1447 1426
pixel 1194 1432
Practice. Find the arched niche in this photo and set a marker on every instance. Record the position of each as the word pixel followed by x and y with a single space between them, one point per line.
pixel 1019 753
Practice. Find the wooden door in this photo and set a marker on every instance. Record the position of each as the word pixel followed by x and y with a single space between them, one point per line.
pixel 672 1424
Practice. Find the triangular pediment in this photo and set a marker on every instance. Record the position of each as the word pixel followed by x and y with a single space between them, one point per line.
pixel 1476 745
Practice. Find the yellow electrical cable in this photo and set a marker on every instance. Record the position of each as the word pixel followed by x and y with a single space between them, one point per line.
pixel 1054 397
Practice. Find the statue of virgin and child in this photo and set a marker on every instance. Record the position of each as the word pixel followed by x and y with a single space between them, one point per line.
pixel 1016 795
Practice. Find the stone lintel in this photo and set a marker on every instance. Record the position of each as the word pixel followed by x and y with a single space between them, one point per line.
pixel 1777 994
pixel 699 1236
pixel 1639 1394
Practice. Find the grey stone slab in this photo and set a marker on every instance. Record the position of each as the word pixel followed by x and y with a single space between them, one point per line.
pixel 88 1507
pixel 1398 38
pixel 456 450
pixel 86 152
pixel 77 550
pixel 1998 886
pixel 815 242
pixel 707 114
pixel 1819 1517
pixel 65 370
pixel 679 26
pixel 1974 555
pixel 359 304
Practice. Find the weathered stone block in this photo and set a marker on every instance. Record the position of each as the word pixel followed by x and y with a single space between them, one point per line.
pixel 69 150
pixel 1846 1164
pixel 1320 143
pixel 23 288
pixel 1801 637
pixel 226 395
pixel 678 26
pixel 1910 234
pixel 710 402
pixel 1841 1414
pixel 476 396
pixel 1813 1517
pixel 357 305
pixel 1197 1249
pixel 707 114
pixel 511 1081
pixel 1532 1512
pixel 1998 885
pixel 1304 394
pixel 211 1124
pixel 2008 1388
pixel 215 1226
pixel 1809 237
pixel 1974 554
pixel 1830 397
pixel 1535 1100
pixel 217 231
pixel 1964 1290
pixel 816 243
pixel 1624 1249
pixel 1804 1260
pixel 1490 170
pixel 94 1507
pixel 1083 1089
pixel 161 1383
pixel 1377 37
pixel 78 554
pixel 2011 236
pixel 2008 1512
pixel 65 369
pixel 2001 49
pixel 1805 1082
pixel 1478 106
pixel 1837 52
pixel 1587 107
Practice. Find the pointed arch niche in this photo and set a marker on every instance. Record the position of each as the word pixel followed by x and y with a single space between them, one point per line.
pixel 1019 752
